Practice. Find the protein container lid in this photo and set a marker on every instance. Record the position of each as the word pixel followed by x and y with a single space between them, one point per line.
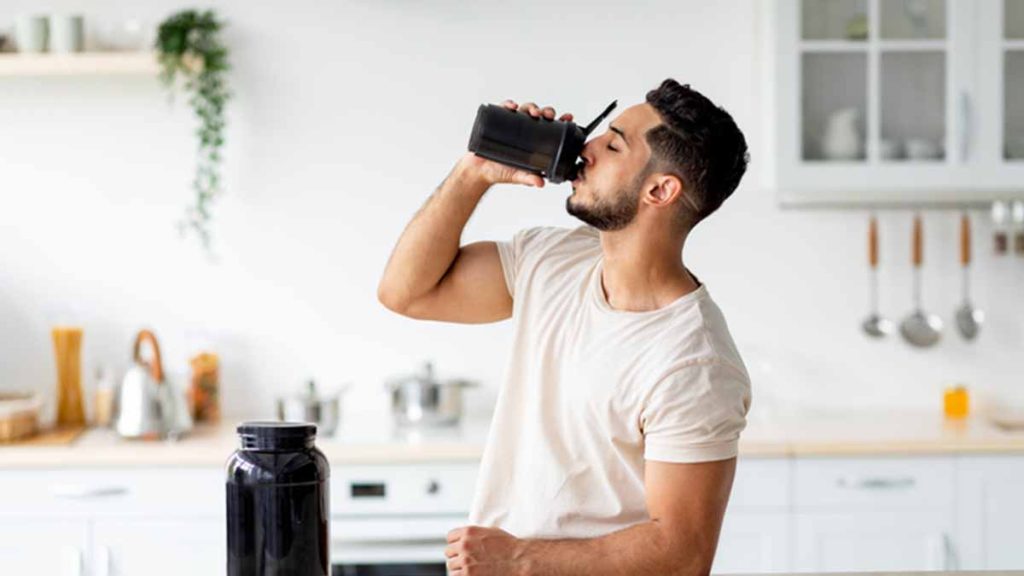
pixel 276 430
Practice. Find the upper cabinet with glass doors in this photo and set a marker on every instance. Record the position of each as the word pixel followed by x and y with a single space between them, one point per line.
pixel 896 101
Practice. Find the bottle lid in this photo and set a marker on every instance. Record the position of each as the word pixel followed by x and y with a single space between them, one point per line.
pixel 276 435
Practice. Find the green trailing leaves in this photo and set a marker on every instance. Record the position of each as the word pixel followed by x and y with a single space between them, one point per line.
pixel 188 45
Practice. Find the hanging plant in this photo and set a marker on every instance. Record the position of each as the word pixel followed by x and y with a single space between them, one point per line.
pixel 188 43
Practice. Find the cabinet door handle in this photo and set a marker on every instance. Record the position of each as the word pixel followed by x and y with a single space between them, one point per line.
pixel 877 483
pixel 965 125
pixel 949 559
pixel 79 491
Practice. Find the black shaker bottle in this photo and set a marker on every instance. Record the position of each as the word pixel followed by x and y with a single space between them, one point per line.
pixel 549 148
pixel 277 499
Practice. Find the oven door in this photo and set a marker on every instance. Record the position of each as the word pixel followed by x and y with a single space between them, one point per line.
pixel 392 546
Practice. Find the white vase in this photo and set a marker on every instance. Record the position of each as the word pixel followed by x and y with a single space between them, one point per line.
pixel 30 33
pixel 842 139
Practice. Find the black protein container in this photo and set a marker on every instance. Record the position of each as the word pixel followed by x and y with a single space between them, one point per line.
pixel 549 148
pixel 277 498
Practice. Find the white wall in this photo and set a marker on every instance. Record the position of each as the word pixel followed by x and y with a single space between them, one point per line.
pixel 346 115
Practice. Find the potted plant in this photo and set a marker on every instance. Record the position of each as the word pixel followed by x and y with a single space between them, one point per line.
pixel 188 45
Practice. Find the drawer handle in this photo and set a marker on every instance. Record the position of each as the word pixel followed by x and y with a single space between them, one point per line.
pixel 877 483
pixel 79 492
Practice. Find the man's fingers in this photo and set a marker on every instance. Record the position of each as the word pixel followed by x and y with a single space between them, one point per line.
pixel 455 534
pixel 547 112
pixel 455 563
pixel 528 179
pixel 531 109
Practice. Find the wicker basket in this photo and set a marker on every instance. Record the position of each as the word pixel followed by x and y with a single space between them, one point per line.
pixel 19 416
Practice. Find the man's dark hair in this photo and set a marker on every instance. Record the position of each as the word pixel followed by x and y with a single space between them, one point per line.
pixel 700 143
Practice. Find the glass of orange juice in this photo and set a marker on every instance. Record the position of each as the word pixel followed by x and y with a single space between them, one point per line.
pixel 956 402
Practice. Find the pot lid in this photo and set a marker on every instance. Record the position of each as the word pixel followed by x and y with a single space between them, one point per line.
pixel 425 377
pixel 312 392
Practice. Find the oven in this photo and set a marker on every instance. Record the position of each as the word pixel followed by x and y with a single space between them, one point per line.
pixel 391 547
pixel 393 520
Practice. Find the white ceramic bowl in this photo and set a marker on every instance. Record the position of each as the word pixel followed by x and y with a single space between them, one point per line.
pixel 889 149
pixel 923 149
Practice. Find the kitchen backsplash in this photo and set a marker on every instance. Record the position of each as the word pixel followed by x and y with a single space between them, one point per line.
pixel 318 188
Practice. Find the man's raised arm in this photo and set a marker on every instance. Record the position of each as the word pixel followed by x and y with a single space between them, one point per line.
pixel 429 275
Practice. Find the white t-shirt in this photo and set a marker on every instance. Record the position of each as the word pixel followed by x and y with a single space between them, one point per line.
pixel 591 392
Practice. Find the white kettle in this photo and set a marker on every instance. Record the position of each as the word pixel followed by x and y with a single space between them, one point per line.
pixel 149 406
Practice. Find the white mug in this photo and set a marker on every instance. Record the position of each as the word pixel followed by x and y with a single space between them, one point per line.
pixel 30 33
pixel 67 33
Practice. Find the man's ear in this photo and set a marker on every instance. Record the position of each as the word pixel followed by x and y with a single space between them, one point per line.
pixel 667 188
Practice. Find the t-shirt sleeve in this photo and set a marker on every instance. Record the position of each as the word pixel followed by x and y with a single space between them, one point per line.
pixel 522 252
pixel 696 413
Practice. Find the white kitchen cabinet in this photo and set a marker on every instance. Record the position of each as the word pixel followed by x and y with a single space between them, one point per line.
pixel 756 532
pixel 785 514
pixel 990 509
pixel 868 541
pixel 108 522
pixel 871 514
pixel 874 102
pixel 43 546
pixel 159 547
pixel 754 542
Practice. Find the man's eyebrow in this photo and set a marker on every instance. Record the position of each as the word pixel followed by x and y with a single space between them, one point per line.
pixel 619 132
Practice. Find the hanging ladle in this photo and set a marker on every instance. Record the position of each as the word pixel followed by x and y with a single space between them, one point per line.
pixel 875 325
pixel 920 328
pixel 968 318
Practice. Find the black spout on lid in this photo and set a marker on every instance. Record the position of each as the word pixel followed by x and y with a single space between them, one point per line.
pixel 600 117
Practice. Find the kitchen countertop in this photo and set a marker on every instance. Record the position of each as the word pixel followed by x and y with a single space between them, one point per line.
pixel 930 573
pixel 871 433
pixel 211 445
pixel 796 434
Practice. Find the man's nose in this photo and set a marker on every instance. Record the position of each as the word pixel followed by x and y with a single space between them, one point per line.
pixel 588 153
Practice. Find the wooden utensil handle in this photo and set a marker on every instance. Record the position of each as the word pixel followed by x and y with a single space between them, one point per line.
pixel 918 241
pixel 965 239
pixel 873 242
pixel 157 367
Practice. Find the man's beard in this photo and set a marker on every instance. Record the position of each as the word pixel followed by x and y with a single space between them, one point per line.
pixel 609 216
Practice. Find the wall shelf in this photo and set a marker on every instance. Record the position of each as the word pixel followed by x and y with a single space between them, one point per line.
pixel 79 64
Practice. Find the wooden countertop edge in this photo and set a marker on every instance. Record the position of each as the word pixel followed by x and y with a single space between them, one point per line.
pixel 178 455
pixel 880 448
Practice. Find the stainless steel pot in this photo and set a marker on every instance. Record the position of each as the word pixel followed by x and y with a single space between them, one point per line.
pixel 324 411
pixel 422 400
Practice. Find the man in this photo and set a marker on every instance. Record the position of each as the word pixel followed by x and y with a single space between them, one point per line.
pixel 613 444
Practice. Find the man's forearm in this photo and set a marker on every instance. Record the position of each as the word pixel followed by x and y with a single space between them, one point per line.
pixel 645 548
pixel 430 242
